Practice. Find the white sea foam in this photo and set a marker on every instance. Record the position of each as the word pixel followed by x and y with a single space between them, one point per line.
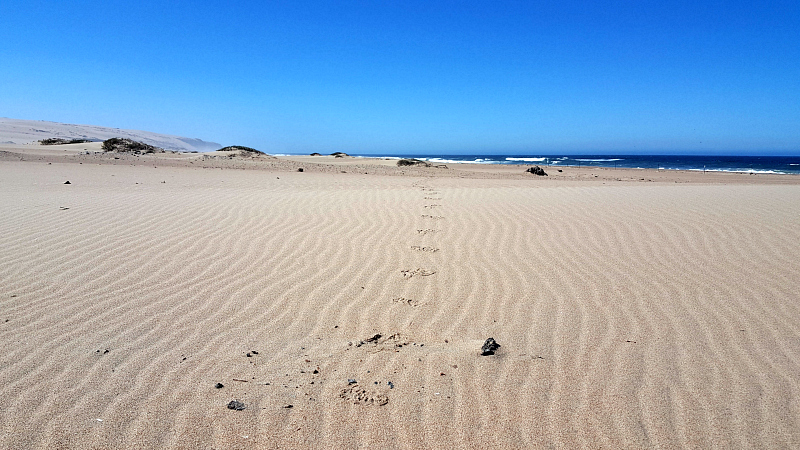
pixel 738 171
pixel 457 161
pixel 527 159
pixel 600 160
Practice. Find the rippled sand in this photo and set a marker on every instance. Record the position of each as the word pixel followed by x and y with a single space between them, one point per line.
pixel 631 314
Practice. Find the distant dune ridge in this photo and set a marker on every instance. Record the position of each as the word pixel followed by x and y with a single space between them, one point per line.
pixel 17 131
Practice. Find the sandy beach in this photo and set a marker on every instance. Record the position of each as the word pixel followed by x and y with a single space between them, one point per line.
pixel 345 306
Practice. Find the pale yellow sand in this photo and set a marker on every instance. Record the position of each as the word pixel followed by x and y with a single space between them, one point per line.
pixel 631 314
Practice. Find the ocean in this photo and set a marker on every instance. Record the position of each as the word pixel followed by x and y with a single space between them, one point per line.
pixel 747 164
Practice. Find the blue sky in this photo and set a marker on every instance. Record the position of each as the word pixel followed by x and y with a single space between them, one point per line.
pixel 415 76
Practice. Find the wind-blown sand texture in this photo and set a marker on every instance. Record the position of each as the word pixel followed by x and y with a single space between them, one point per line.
pixel 631 314
pixel 18 131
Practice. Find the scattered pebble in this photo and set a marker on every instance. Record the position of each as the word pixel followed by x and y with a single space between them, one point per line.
pixel 351 381
pixel 236 405
pixel 489 347
pixel 391 385
pixel 288 406
pixel 219 385
pixel 67 182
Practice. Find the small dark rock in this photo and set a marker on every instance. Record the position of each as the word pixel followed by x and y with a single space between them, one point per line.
pixel 219 385
pixel 67 182
pixel 236 405
pixel 288 406
pixel 253 352
pixel 536 170
pixel 315 154
pixel 249 355
pixel 391 385
pixel 300 169
pixel 315 371
pixel 351 381
pixel 560 170
pixel 489 347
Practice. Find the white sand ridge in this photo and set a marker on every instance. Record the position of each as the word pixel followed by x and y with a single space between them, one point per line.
pixel 18 131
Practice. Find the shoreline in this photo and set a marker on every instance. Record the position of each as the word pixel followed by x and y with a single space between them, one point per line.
pixel 91 153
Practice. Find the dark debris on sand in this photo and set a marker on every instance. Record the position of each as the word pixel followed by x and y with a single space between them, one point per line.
pixel 236 405
pixel 489 347
pixel 536 170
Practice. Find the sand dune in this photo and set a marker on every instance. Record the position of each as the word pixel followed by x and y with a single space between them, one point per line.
pixel 18 131
pixel 631 315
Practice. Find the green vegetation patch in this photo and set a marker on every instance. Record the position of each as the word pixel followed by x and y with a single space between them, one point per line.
pixel 61 141
pixel 240 148
pixel 129 145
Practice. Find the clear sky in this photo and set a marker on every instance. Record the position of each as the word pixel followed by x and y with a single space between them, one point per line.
pixel 415 76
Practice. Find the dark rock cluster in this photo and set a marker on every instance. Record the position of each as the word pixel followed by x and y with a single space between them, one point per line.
pixel 536 170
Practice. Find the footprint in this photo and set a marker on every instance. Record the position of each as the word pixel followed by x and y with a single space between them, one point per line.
pixel 406 301
pixel 431 206
pixel 432 198
pixel 361 396
pixel 428 231
pixel 428 216
pixel 382 343
pixel 424 249
pixel 411 273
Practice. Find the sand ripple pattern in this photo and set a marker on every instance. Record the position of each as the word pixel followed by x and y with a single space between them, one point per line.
pixel 630 316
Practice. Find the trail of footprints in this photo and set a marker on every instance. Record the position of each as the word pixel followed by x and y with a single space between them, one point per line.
pixel 307 377
pixel 429 194
pixel 373 395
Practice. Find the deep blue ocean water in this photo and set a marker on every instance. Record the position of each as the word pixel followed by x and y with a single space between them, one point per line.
pixel 752 164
